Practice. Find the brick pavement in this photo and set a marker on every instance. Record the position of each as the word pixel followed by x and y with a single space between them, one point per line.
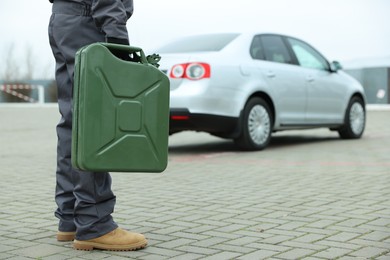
pixel 310 195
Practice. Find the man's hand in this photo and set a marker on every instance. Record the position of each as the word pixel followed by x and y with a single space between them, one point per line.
pixel 118 53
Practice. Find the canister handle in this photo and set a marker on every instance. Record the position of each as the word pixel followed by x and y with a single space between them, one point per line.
pixel 127 48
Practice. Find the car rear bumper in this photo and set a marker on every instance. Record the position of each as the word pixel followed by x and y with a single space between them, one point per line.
pixel 181 119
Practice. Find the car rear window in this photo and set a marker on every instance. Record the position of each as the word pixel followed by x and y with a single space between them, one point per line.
pixel 198 43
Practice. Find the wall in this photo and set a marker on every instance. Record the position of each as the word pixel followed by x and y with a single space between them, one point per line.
pixel 376 83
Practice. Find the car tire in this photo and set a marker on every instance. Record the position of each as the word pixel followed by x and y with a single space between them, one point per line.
pixel 354 121
pixel 256 129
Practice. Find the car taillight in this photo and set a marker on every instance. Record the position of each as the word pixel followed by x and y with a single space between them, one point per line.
pixel 193 71
pixel 180 117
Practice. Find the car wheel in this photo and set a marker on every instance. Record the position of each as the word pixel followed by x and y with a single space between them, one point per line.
pixel 256 125
pixel 355 120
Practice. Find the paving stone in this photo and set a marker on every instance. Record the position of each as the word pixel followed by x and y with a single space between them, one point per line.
pixel 352 222
pixel 376 236
pixel 310 246
pixel 201 229
pixel 198 250
pixel 309 238
pixel 169 230
pixel 369 252
pixel 332 253
pixel 131 254
pixel 320 231
pixel 276 239
pixel 343 236
pixel 375 228
pixel 6 256
pixel 161 251
pixel 230 228
pixel 334 244
pixel 176 243
pixel 38 251
pixel 312 258
pixel 222 255
pixel 188 256
pixel 358 230
pixel 5 248
pixel 258 254
pixel 295 254
pixel 268 247
pixel 233 248
pixel 209 242
pixel 292 225
pixel 242 241
pixel 221 234
pixel 277 231
pixel 58 257
pixel 381 222
pixel 190 235
pixel 378 244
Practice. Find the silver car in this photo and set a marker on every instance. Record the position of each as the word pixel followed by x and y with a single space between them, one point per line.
pixel 245 86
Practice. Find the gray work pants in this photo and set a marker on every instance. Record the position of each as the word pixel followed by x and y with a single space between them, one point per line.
pixel 84 199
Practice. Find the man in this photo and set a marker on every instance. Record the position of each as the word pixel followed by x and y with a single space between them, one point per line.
pixel 85 200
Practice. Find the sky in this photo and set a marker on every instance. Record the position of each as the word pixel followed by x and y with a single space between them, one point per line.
pixel 343 30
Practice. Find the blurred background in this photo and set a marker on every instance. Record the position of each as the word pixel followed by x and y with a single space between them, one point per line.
pixel 354 32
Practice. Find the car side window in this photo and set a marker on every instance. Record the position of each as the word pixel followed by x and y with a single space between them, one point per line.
pixel 256 49
pixel 307 56
pixel 275 49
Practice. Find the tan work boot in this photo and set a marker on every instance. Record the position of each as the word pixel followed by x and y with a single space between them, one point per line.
pixel 65 236
pixel 116 240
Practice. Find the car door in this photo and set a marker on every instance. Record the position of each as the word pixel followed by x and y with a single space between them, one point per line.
pixel 325 94
pixel 283 78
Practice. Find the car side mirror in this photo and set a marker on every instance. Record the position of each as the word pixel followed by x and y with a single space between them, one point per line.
pixel 335 66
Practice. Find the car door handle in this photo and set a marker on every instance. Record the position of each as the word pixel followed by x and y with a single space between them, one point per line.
pixel 310 78
pixel 270 74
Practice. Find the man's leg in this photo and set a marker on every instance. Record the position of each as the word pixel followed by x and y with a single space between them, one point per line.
pixel 85 200
pixel 64 180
